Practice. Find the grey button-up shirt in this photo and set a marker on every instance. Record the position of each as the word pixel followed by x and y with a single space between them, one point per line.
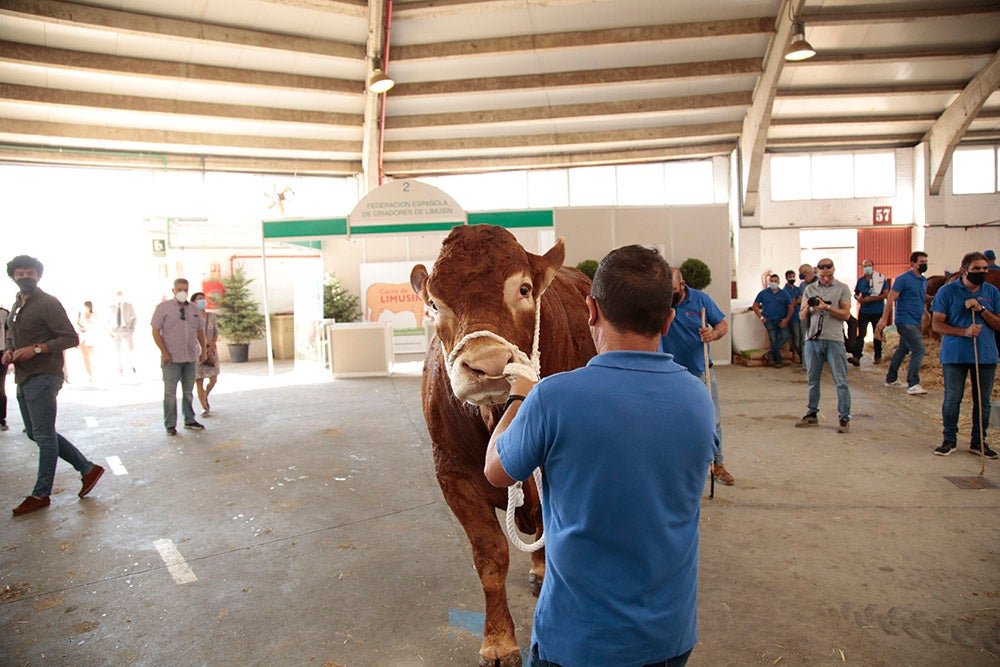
pixel 179 335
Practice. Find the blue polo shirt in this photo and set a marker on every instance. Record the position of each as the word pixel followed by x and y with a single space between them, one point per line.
pixel 774 305
pixel 864 288
pixel 683 339
pixel 910 302
pixel 793 293
pixel 950 300
pixel 624 443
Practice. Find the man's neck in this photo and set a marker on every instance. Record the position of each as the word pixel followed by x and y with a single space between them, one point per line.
pixel 916 272
pixel 970 286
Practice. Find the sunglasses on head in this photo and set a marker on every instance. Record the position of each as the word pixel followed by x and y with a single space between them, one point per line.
pixel 824 266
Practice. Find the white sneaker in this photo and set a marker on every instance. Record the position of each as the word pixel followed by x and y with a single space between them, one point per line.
pixel 916 390
pixel 897 383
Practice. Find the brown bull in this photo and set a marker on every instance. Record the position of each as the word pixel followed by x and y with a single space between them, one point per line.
pixel 484 280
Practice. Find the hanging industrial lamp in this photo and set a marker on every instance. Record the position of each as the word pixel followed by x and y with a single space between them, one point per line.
pixel 379 82
pixel 799 49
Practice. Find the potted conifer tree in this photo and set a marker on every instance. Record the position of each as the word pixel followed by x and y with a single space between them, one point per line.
pixel 240 319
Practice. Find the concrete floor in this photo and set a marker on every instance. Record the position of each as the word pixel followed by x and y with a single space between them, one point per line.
pixel 312 532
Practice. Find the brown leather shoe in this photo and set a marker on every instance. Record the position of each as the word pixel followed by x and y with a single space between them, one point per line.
pixel 31 504
pixel 90 479
pixel 723 475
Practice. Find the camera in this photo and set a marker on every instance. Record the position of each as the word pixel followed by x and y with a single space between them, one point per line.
pixel 813 301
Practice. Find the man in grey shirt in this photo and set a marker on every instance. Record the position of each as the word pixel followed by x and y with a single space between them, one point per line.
pixel 179 332
pixel 826 305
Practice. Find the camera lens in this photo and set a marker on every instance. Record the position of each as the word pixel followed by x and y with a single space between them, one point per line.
pixel 814 301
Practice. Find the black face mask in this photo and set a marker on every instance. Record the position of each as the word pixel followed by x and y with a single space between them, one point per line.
pixel 976 278
pixel 676 299
pixel 791 281
pixel 26 284
pixel 921 268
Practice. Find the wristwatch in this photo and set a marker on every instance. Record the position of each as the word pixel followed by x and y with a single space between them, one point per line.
pixel 38 350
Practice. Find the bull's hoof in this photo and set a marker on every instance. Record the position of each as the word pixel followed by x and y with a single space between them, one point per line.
pixel 509 660
pixel 536 583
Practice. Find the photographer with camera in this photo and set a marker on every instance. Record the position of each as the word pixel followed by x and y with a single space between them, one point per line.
pixel 827 306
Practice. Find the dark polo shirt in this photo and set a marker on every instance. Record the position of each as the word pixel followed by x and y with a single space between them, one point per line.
pixel 41 319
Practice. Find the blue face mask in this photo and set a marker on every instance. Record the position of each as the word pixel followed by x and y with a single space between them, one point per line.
pixel 774 287
pixel 868 270
pixel 802 276
pixel 201 303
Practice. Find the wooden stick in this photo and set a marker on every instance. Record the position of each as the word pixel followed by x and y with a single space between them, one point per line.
pixel 708 381
pixel 979 397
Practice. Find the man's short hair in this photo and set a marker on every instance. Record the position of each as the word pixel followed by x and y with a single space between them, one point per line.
pixel 916 255
pixel 24 262
pixel 181 281
pixel 970 257
pixel 789 272
pixel 634 287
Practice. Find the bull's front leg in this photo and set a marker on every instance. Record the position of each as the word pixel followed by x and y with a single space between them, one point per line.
pixel 492 559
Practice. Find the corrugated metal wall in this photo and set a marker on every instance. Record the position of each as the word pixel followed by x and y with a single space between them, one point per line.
pixel 888 247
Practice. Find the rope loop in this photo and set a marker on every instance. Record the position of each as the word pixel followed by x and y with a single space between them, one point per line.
pixel 515 498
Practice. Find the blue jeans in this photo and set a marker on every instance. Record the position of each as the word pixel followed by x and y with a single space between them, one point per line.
pixel 37 399
pixel 954 389
pixel 911 342
pixel 833 353
pixel 172 374
pixel 677 661
pixel 778 336
pixel 718 412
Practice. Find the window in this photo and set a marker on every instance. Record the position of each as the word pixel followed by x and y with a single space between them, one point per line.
pixel 690 182
pixel 592 186
pixel 832 176
pixel 974 171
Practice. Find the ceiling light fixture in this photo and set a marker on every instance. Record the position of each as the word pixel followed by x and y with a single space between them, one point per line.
pixel 799 49
pixel 379 82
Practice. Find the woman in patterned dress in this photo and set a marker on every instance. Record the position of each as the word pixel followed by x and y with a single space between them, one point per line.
pixel 208 369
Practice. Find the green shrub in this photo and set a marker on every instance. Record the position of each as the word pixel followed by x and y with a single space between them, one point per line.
pixel 696 273
pixel 588 267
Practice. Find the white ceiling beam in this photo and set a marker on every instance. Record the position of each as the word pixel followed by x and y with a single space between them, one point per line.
pixel 753 138
pixel 352 8
pixel 946 10
pixel 72 98
pixel 564 111
pixel 871 91
pixel 42 56
pixel 714 68
pixel 936 55
pixel 582 39
pixel 71 13
pixel 948 129
pixel 371 142
pixel 402 168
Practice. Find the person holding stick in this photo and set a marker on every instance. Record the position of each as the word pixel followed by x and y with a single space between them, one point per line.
pixel 698 322
pixel 965 313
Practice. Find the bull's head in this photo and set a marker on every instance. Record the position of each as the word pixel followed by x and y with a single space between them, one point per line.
pixel 484 280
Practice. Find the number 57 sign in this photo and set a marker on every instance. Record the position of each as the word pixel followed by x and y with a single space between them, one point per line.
pixel 881 215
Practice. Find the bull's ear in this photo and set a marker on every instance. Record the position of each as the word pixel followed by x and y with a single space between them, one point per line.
pixel 544 267
pixel 418 278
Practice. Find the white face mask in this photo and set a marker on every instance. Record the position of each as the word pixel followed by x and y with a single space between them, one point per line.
pixel 181 297
pixel 774 286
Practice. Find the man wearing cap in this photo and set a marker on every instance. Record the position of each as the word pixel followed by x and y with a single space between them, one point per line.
pixel 991 259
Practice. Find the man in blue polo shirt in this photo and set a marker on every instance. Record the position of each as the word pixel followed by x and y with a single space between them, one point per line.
pixel 965 312
pixel 686 340
pixel 625 444
pixel 774 308
pixel 871 292
pixel 907 294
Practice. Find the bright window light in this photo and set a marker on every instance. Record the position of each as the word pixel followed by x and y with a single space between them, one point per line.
pixel 974 171
pixel 592 186
pixel 690 182
pixel 874 175
pixel 790 177
pixel 832 176
pixel 641 185
pixel 548 188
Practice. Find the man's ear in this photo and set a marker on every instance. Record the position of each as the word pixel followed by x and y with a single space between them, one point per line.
pixel 592 310
pixel 670 319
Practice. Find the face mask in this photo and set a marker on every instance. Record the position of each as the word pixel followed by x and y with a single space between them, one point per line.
pixel 976 278
pixel 868 270
pixel 26 284
pixel 802 276
pixel 676 299
pixel 922 268
pixel 201 303
pixel 791 281
pixel 181 297
pixel 774 287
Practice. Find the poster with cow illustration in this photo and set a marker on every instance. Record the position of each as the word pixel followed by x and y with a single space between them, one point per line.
pixel 386 296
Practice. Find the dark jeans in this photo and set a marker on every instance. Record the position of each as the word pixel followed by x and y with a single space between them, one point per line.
pixel 778 336
pixel 954 389
pixel 678 661
pixel 184 373
pixel 3 391
pixel 37 399
pixel 864 319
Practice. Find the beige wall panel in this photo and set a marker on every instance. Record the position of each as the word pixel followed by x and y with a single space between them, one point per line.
pixel 643 225
pixel 588 232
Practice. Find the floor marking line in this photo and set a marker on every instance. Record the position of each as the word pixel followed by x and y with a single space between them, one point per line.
pixel 116 466
pixel 175 562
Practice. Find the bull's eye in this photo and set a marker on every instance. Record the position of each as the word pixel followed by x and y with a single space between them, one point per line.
pixel 525 289
pixel 432 306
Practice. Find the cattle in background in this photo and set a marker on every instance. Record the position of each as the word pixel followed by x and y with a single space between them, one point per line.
pixel 485 280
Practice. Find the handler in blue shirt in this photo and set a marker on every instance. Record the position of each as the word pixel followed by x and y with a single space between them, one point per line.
pixel 624 444
pixel 795 324
pixel 686 340
pixel 908 294
pixel 774 308
pixel 965 312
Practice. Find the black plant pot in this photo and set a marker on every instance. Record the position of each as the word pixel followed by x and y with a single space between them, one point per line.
pixel 239 352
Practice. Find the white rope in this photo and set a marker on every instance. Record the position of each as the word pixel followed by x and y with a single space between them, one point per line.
pixel 522 366
pixel 515 498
